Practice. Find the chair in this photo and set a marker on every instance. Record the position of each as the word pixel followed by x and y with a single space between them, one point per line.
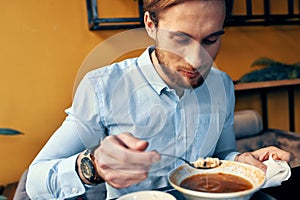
pixel 20 193
pixel 250 135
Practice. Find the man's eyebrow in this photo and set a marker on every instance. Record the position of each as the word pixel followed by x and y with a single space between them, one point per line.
pixel 218 33
pixel 179 33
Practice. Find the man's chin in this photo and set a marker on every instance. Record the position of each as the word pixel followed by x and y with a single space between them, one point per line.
pixel 195 83
pixel 192 84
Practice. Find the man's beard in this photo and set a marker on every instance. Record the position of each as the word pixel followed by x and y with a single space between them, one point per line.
pixel 169 69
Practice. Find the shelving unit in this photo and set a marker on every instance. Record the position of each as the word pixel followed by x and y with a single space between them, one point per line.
pixel 261 12
pixel 253 12
pixel 97 23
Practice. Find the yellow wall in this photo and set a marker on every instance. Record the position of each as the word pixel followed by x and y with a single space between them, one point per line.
pixel 42 46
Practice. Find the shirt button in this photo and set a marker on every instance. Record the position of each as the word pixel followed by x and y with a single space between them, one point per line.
pixel 179 105
pixel 74 190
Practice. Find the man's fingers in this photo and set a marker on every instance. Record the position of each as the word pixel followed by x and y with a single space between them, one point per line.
pixel 132 142
pixel 251 159
pixel 115 152
pixel 122 163
pixel 277 154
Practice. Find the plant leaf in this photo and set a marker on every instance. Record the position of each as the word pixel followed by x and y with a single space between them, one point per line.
pixel 8 131
pixel 264 62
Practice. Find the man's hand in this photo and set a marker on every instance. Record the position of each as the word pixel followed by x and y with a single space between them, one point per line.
pixel 257 157
pixel 122 161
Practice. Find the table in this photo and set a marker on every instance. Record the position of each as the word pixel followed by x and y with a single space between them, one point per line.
pixel 257 196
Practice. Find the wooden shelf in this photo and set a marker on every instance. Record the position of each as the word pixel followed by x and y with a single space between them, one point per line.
pixel 266 84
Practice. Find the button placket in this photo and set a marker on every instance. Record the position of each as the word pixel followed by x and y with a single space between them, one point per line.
pixel 180 148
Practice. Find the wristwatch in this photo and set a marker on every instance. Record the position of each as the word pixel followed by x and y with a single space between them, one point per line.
pixel 88 169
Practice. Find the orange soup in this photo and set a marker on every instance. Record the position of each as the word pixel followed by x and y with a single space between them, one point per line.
pixel 216 183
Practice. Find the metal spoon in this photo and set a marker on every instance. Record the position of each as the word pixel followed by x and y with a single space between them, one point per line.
pixel 205 163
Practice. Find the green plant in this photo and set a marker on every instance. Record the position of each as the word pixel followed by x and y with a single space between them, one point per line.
pixel 8 131
pixel 271 70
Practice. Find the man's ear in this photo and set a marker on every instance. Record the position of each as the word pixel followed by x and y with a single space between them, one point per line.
pixel 149 25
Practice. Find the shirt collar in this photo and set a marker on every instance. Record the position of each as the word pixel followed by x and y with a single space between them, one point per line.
pixel 146 66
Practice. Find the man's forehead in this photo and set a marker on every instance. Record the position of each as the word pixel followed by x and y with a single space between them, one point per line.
pixel 195 20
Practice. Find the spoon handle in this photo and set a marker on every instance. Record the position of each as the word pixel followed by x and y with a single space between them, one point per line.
pixel 180 158
pixel 201 163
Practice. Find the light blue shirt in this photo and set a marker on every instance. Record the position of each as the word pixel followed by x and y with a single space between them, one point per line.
pixel 130 96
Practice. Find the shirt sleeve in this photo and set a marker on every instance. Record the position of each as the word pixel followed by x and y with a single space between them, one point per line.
pixel 52 174
pixel 226 146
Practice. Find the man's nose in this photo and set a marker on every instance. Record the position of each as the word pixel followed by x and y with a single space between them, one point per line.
pixel 196 55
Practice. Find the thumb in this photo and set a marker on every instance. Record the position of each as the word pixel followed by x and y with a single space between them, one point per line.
pixel 259 164
pixel 250 159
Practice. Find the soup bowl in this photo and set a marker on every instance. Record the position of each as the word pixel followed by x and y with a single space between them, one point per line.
pixel 253 175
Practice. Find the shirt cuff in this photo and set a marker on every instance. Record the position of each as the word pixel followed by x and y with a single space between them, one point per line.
pixel 232 156
pixel 70 182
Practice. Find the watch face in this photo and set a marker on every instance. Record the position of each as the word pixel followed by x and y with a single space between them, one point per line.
pixel 87 169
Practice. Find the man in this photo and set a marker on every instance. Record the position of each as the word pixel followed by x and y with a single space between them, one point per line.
pixel 168 100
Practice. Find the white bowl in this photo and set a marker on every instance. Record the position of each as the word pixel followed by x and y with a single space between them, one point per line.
pixel 254 175
pixel 147 195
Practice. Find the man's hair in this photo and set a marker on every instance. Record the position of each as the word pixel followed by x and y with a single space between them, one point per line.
pixel 154 7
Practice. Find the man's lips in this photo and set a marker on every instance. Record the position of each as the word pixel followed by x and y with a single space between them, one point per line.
pixel 189 74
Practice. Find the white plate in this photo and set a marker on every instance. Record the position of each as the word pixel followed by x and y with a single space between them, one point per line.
pixel 147 195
